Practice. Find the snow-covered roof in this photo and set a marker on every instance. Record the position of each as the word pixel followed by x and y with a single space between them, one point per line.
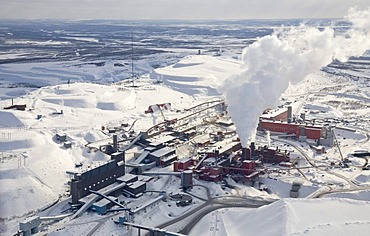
pixel 161 139
pixel 273 113
pixel 137 184
pixel 104 201
pixel 162 152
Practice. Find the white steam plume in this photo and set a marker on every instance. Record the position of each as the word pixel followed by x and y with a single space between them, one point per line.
pixel 273 62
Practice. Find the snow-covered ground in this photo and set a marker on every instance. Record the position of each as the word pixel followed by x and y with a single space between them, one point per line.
pixel 33 164
pixel 290 217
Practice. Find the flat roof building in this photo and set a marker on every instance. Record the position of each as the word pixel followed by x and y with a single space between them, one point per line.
pixel 163 156
pixel 136 188
pixel 102 206
pixel 128 178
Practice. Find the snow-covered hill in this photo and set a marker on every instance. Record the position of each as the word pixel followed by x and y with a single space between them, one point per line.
pixel 291 217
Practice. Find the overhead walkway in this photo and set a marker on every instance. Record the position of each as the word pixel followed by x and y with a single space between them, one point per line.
pixel 132 142
pixel 102 192
pixel 152 230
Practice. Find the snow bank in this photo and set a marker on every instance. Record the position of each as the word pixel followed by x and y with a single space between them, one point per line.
pixel 23 191
pixel 293 217
pixel 364 177
pixel 282 189
pixel 8 119
pixel 357 195
pixel 199 74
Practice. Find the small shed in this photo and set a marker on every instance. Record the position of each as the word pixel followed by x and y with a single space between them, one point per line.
pixel 67 144
pixel 61 137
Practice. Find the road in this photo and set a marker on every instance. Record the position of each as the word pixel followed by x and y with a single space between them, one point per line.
pixel 310 161
pixel 219 203
pixel 342 191
pixel 298 148
pixel 196 218
pixel 192 217
pixel 354 185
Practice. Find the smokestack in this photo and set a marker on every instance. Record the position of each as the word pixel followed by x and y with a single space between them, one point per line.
pixel 217 154
pixel 115 142
pixel 244 153
pixel 303 116
pixel 290 114
pixel 253 147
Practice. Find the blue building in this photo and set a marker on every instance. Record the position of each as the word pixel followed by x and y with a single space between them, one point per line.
pixel 102 206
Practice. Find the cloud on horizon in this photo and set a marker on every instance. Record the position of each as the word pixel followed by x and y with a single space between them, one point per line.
pixel 176 9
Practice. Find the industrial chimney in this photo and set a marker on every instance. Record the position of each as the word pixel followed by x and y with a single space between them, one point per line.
pixel 303 116
pixel 290 115
pixel 217 154
pixel 244 153
pixel 252 147
pixel 115 143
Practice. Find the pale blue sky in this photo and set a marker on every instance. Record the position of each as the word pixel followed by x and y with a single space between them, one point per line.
pixel 176 9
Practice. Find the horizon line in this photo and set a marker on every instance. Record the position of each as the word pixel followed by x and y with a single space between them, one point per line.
pixel 174 20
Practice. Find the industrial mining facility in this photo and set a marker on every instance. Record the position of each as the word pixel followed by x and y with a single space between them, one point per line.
pixel 200 147
pixel 169 128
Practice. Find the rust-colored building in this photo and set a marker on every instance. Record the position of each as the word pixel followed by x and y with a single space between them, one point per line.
pixel 182 164
pixel 310 131
pixel 271 155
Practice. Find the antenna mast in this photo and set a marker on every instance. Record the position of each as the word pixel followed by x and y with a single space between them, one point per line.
pixel 132 60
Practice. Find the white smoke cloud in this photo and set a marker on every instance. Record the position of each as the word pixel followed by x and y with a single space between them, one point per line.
pixel 273 62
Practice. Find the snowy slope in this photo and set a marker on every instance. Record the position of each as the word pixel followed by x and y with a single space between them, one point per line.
pixel 197 74
pixel 34 163
pixel 31 153
pixel 17 79
pixel 292 217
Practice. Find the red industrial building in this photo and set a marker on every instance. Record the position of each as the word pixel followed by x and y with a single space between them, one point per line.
pixel 163 106
pixel 182 164
pixel 245 167
pixel 280 121
pixel 281 114
pixel 210 173
pixel 248 167
pixel 272 155
pixel 310 131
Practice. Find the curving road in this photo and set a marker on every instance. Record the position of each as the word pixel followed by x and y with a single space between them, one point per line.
pixel 354 185
pixel 342 191
pixel 192 217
